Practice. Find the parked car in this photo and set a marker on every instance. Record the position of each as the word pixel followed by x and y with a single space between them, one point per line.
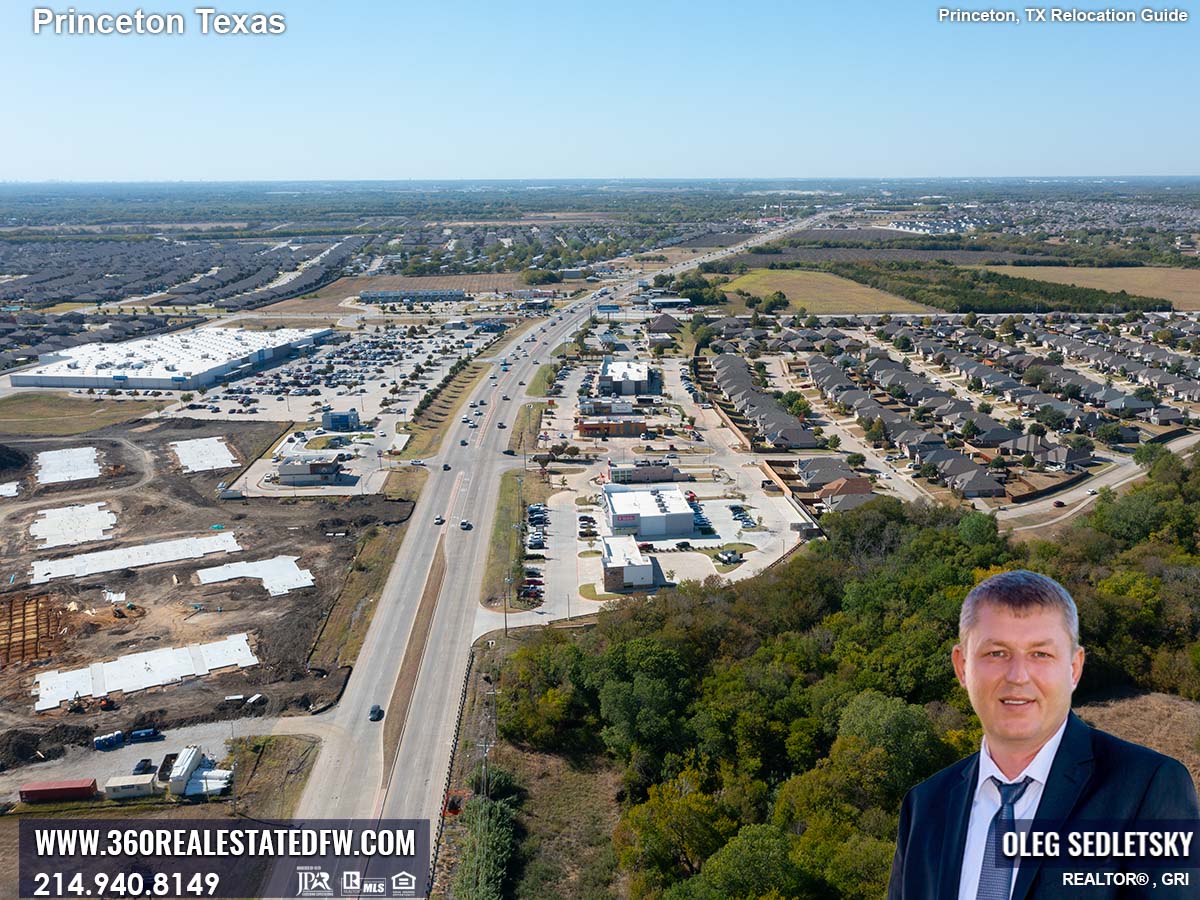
pixel 144 767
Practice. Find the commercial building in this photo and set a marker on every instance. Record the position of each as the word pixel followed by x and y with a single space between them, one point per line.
pixel 180 361
pixel 340 421
pixel 650 513
pixel 644 471
pixel 605 406
pixel 624 565
pixel 410 294
pixel 624 377
pixel 597 426
pixel 308 469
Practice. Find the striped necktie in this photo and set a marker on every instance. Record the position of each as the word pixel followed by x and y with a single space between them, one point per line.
pixel 995 877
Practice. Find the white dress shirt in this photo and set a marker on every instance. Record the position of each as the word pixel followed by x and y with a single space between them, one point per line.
pixel 987 803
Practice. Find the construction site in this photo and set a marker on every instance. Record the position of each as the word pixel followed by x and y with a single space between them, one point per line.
pixel 131 596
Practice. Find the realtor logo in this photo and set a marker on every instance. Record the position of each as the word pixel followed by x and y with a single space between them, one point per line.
pixel 313 882
pixel 404 884
pixel 352 883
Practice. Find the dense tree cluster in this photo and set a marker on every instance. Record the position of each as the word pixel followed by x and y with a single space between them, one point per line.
pixel 769 728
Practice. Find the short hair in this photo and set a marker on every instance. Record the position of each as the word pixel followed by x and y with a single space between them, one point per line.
pixel 1022 592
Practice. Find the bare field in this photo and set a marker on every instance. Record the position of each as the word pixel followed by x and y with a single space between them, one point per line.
pixel 674 256
pixel 472 284
pixel 1180 286
pixel 1161 722
pixel 819 292
pixel 39 414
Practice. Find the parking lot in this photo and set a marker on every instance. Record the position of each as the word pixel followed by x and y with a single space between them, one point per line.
pixel 382 368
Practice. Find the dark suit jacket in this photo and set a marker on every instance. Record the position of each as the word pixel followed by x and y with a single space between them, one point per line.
pixel 1095 776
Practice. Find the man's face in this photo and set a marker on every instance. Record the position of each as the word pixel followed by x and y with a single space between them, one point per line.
pixel 1019 671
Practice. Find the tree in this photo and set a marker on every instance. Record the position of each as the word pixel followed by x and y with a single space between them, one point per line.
pixel 984 407
pixel 1146 393
pixel 757 862
pixel 1080 442
pixel 928 471
pixel 1146 455
pixel 833 442
pixel 876 433
pixel 969 429
pixel 673 832
pixel 1052 418
pixel 855 460
pixel 1109 433
pixel 1037 429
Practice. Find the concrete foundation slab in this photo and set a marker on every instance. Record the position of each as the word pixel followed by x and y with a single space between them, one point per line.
pixel 84 564
pixel 139 671
pixel 74 464
pixel 67 526
pixel 278 575
pixel 203 455
pixel 10 488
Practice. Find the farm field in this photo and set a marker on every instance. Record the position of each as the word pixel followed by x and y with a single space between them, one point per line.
pixel 818 292
pixel 1180 286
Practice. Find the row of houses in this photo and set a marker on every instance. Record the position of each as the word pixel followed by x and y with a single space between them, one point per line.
pixel 774 426
pixel 922 445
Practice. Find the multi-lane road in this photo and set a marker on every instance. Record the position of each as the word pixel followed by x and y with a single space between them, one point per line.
pixel 349 779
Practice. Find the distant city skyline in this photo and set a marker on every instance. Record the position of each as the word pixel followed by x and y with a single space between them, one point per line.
pixel 530 91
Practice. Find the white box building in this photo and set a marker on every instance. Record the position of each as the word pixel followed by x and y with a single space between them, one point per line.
pixel 624 377
pixel 180 361
pixel 649 513
pixel 624 565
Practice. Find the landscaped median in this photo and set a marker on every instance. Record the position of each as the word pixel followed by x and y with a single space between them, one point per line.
pixel 526 427
pixel 540 383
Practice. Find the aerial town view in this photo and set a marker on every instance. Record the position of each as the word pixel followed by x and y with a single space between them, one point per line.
pixel 611 519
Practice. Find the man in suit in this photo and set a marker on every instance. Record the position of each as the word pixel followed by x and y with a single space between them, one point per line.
pixel 1019 658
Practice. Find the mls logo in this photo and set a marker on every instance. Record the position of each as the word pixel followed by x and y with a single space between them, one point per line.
pixel 314 883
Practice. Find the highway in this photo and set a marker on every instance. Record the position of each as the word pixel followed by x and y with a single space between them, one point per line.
pixel 349 780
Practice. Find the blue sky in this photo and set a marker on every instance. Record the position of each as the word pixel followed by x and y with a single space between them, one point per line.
pixel 362 89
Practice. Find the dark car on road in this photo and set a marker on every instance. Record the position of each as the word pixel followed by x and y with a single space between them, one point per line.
pixel 376 713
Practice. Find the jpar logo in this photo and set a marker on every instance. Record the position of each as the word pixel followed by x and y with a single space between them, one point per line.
pixel 313 882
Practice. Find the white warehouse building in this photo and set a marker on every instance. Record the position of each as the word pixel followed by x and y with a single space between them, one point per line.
pixel 181 361
pixel 649 513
